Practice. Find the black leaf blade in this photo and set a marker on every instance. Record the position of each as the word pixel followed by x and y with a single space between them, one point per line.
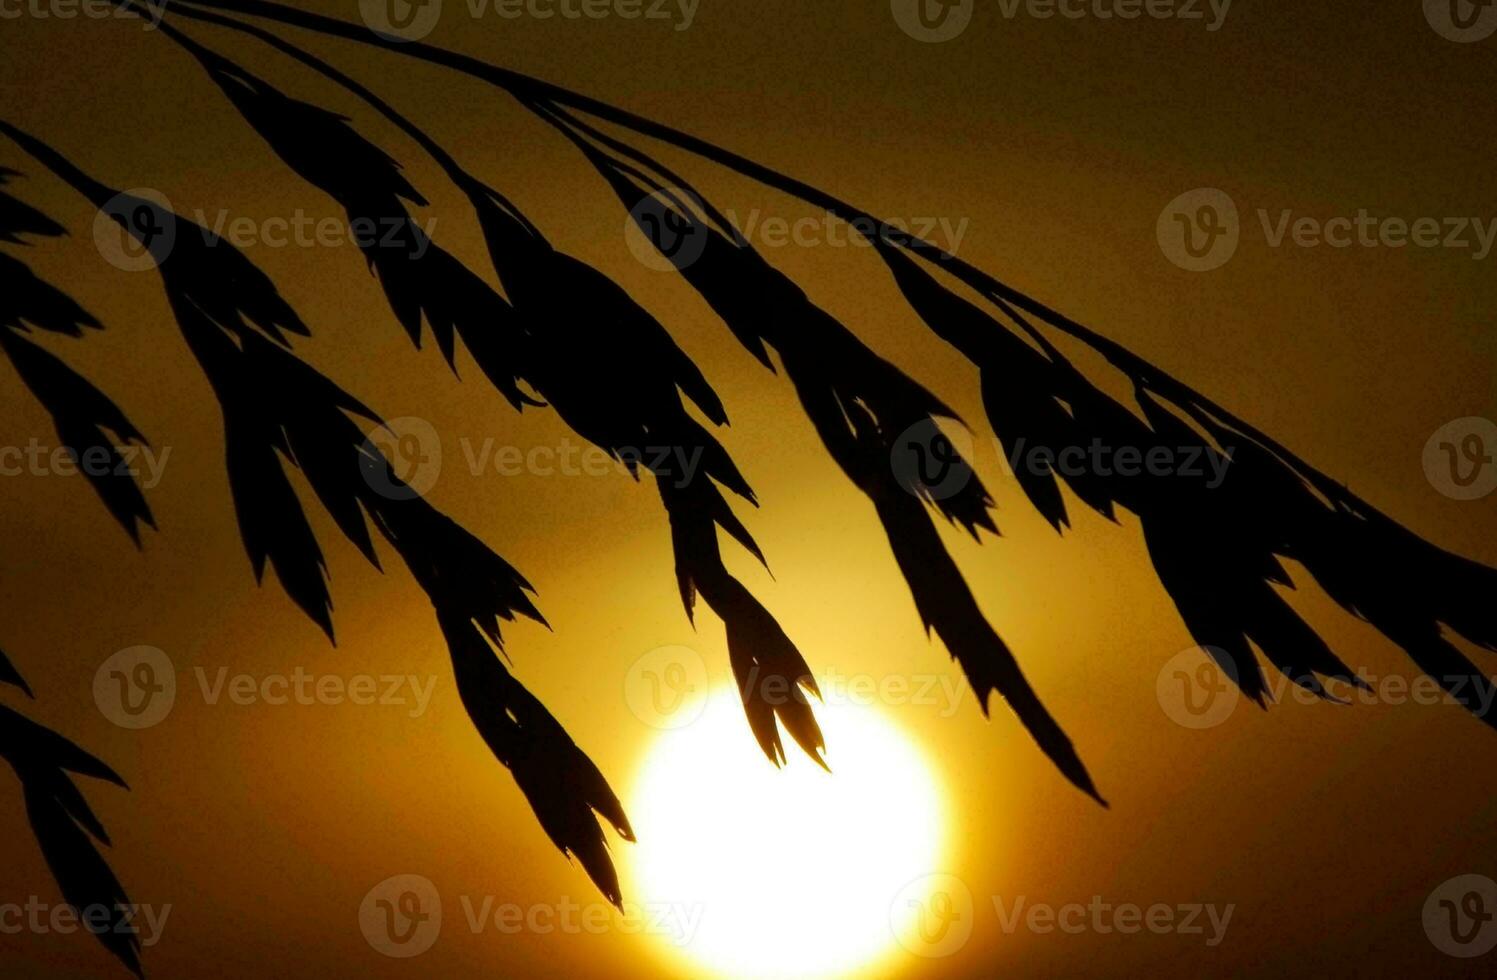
pixel 88 424
pixel 66 828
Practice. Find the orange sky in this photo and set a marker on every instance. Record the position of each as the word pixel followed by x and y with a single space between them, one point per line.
pixel 1054 145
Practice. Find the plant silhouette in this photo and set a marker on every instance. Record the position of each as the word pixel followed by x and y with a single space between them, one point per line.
pixel 560 334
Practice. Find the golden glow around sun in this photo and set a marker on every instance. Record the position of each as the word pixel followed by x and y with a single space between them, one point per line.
pixel 783 873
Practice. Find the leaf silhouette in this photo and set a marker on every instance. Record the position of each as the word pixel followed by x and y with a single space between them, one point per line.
pixel 859 405
pixel 561 783
pixel 419 278
pixel 66 828
pixel 1217 549
pixel 277 410
pixel 89 425
pixel 613 373
pixel 33 302
pixel 616 376
pixel 18 219
pixel 9 675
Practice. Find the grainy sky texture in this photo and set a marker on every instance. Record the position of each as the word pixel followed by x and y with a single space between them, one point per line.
pixel 1044 151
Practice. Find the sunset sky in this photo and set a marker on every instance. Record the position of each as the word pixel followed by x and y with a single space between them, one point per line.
pixel 1040 150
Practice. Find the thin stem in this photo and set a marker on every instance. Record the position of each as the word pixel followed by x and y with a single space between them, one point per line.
pixel 526 87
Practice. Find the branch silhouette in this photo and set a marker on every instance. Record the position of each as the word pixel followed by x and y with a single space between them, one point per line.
pixel 9 675
pixel 560 333
pixel 66 827
pixel 87 423
pixel 277 410
pixel 606 365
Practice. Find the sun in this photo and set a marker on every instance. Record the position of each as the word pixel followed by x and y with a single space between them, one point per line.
pixel 784 873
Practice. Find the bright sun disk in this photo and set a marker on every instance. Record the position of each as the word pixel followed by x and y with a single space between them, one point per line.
pixel 791 872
